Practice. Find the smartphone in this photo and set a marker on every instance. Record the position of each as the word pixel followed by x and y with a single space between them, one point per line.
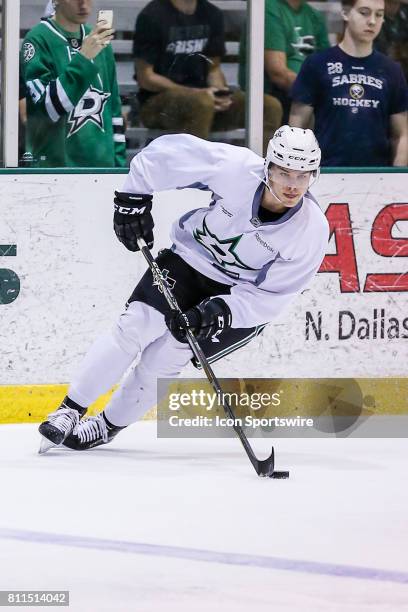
pixel 222 92
pixel 106 16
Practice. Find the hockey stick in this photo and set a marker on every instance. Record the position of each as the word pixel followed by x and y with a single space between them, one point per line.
pixel 263 467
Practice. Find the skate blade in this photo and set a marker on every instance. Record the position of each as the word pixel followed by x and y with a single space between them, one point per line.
pixel 46 445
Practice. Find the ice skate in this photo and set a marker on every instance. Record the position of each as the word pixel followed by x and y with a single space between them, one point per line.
pixel 60 424
pixel 91 432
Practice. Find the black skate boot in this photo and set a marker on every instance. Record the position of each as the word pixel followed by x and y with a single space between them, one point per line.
pixel 60 424
pixel 91 432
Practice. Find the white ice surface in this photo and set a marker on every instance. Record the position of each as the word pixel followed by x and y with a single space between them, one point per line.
pixel 345 504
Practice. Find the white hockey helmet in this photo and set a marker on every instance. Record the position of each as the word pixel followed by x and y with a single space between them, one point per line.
pixel 293 148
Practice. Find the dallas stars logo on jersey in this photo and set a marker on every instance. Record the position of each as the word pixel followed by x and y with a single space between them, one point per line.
pixel 89 108
pixel 223 251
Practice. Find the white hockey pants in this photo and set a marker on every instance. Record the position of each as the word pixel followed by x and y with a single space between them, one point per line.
pixel 140 330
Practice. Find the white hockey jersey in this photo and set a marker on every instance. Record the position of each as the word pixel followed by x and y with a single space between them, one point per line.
pixel 266 264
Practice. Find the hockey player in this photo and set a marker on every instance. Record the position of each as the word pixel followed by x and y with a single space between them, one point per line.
pixel 73 103
pixel 234 266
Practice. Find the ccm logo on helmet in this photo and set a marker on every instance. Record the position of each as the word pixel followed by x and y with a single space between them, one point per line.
pixel 297 158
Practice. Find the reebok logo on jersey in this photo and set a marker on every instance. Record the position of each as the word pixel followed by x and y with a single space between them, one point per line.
pixel 264 244
pixel 89 109
pixel 226 212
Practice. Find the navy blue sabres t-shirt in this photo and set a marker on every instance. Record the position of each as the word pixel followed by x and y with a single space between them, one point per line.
pixel 353 98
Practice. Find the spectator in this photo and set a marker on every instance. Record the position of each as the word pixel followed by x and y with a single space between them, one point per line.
pixel 393 38
pixel 358 95
pixel 25 157
pixel 178 45
pixel 293 30
pixel 73 105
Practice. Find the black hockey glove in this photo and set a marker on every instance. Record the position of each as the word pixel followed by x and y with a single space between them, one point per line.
pixel 133 219
pixel 207 320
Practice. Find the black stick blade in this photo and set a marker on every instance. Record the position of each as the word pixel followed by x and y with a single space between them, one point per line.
pixel 265 468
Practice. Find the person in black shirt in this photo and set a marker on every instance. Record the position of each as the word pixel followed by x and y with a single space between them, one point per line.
pixel 178 46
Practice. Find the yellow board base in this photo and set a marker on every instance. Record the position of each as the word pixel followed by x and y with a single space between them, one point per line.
pixel 32 403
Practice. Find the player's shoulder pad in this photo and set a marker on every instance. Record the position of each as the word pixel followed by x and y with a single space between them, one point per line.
pixel 315 209
pixel 240 158
pixel 182 145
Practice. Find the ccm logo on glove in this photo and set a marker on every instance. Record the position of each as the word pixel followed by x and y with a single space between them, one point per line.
pixel 207 320
pixel 132 219
pixel 129 211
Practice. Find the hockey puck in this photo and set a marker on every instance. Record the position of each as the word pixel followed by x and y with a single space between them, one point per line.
pixel 280 475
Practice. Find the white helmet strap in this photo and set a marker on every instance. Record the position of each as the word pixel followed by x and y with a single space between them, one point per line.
pixel 269 187
pixel 266 182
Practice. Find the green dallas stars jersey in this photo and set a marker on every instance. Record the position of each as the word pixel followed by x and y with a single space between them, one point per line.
pixel 73 104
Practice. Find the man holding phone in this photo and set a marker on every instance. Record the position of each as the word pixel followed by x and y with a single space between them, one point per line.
pixel 74 113
pixel 178 46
